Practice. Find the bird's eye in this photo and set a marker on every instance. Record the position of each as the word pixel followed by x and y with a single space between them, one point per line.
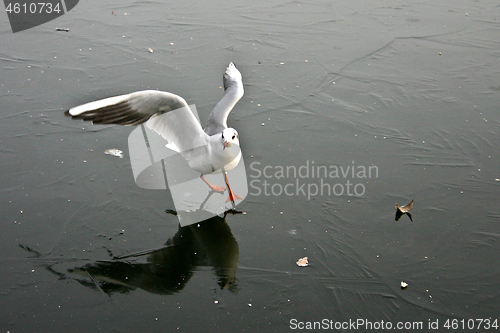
pixel 223 135
pixel 234 136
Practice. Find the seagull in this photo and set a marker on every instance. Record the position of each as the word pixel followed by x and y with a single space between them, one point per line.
pixel 212 150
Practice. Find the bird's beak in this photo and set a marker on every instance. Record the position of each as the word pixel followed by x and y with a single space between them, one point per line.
pixel 226 143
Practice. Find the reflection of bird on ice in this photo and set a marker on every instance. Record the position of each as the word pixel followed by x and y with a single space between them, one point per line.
pixel 167 270
pixel 213 150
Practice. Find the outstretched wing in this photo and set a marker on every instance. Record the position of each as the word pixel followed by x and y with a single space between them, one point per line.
pixel 233 91
pixel 169 115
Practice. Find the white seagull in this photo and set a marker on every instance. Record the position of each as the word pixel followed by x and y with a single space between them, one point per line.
pixel 213 150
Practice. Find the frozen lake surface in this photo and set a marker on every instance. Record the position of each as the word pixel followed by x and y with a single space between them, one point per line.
pixel 396 100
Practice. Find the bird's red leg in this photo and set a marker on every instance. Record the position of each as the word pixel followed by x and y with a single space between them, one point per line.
pixel 213 187
pixel 232 195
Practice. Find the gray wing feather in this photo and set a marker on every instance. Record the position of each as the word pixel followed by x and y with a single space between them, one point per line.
pixel 233 91
pixel 165 113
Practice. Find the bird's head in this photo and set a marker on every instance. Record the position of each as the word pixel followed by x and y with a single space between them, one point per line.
pixel 229 137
